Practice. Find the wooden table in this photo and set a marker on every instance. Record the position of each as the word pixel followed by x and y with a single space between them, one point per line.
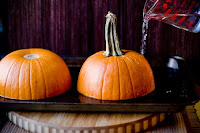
pixel 186 121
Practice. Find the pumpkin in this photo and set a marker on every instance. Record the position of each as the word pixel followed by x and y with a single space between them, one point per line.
pixel 115 74
pixel 31 74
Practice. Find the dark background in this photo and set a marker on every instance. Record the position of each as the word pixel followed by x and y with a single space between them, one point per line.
pixel 76 28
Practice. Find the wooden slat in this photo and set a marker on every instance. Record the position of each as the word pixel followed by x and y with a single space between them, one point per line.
pixel 193 119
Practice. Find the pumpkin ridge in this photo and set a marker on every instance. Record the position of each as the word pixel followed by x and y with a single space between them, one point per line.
pixel 7 76
pixel 3 68
pixel 90 81
pixel 112 84
pixel 49 59
pixel 145 68
pixel 129 76
pixel 30 68
pixel 104 77
pixel 86 71
pixel 11 80
pixel 132 80
pixel 91 58
pixel 84 75
pixel 43 77
pixel 58 67
pixel 133 62
pixel 103 80
pixel 119 79
pixel 115 88
pixel 19 76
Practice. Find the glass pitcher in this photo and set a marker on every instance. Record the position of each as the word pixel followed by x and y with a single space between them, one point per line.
pixel 183 14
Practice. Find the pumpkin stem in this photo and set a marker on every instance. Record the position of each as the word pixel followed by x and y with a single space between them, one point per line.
pixel 111 38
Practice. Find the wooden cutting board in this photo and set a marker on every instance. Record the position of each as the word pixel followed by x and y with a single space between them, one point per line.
pixel 43 122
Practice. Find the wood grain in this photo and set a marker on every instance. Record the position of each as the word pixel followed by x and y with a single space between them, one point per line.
pixel 188 120
pixel 85 122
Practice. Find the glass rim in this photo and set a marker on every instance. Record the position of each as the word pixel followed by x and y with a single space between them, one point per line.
pixel 154 3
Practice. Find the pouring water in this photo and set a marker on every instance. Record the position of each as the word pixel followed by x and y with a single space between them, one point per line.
pixel 183 14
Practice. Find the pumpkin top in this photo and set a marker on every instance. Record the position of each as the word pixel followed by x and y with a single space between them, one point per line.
pixel 31 74
pixel 31 56
pixel 31 53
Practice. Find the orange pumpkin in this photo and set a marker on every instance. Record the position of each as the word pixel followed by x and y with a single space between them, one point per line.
pixel 30 74
pixel 115 74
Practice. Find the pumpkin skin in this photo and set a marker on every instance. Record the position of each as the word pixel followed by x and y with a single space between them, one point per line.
pixel 115 74
pixel 31 74
pixel 116 77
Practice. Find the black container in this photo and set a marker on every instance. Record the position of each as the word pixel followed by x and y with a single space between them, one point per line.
pixel 176 81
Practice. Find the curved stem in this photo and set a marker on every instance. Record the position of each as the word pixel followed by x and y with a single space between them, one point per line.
pixel 111 38
pixel 113 53
pixel 107 37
